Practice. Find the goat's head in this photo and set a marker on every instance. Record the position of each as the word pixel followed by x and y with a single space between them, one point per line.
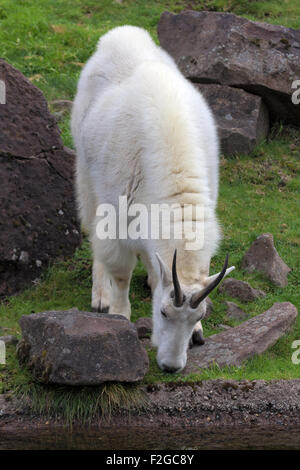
pixel 176 310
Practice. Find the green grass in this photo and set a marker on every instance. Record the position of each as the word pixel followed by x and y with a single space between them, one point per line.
pixel 49 41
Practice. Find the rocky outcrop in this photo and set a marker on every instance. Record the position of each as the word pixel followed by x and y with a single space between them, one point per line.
pixel 240 290
pixel 262 256
pixel 38 220
pixel 232 347
pixel 81 348
pixel 212 47
pixel 242 118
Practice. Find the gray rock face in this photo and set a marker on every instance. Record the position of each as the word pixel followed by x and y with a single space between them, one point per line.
pixel 261 58
pixel 232 347
pixel 235 312
pixel 38 217
pixel 240 290
pixel 144 326
pixel 81 348
pixel 262 256
pixel 242 118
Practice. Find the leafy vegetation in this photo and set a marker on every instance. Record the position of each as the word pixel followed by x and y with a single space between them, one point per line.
pixel 49 42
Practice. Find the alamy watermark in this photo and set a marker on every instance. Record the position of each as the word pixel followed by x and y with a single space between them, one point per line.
pixel 2 352
pixel 296 93
pixel 296 354
pixel 156 221
pixel 2 92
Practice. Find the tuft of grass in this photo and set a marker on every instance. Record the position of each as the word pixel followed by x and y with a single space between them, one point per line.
pixel 69 404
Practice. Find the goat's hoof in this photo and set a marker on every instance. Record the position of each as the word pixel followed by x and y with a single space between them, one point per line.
pixel 198 338
pixel 100 308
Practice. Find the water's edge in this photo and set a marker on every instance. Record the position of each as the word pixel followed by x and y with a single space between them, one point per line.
pixel 214 414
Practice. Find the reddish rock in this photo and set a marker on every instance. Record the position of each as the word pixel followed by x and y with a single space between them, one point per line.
pixel 262 256
pixel 212 47
pixel 232 347
pixel 144 326
pixel 38 221
pixel 235 312
pixel 242 118
pixel 81 348
pixel 240 290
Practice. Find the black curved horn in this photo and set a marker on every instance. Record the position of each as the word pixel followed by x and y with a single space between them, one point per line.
pixel 199 296
pixel 178 294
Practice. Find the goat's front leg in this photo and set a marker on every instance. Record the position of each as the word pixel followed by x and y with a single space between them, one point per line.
pixel 101 288
pixel 119 300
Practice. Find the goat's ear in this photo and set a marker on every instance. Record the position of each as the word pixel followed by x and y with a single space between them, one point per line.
pixel 210 279
pixel 165 272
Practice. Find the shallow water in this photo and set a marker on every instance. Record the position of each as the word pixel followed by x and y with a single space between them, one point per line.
pixel 138 438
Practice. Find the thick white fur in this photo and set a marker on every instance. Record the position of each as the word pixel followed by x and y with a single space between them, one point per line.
pixel 142 130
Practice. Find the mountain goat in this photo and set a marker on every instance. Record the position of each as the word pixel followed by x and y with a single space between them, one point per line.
pixel 142 131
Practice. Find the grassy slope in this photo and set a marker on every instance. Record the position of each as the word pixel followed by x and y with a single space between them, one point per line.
pixel 49 41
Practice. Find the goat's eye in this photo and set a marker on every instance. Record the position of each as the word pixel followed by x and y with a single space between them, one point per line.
pixel 163 313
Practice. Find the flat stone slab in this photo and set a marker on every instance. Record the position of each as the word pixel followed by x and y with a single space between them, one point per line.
pixel 242 118
pixel 232 347
pixel 262 256
pixel 81 348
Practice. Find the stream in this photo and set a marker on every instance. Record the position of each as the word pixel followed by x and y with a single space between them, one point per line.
pixel 139 438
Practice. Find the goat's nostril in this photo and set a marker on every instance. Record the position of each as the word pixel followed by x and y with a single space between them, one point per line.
pixel 170 369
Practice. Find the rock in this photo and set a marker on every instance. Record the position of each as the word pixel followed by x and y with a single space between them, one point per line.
pixel 232 347
pixel 62 105
pixel 212 47
pixel 235 312
pixel 9 339
pixel 38 220
pixel 262 256
pixel 144 326
pixel 240 290
pixel 81 348
pixel 224 327
pixel 60 108
pixel 209 307
pixel 242 118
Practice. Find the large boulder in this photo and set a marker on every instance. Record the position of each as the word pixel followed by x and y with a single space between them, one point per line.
pixel 232 347
pixel 242 118
pixel 212 47
pixel 81 348
pixel 37 212
pixel 262 256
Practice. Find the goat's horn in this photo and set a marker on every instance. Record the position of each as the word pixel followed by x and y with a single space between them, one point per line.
pixel 178 295
pixel 199 296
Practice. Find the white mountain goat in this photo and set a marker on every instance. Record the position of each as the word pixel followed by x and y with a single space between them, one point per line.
pixel 141 130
